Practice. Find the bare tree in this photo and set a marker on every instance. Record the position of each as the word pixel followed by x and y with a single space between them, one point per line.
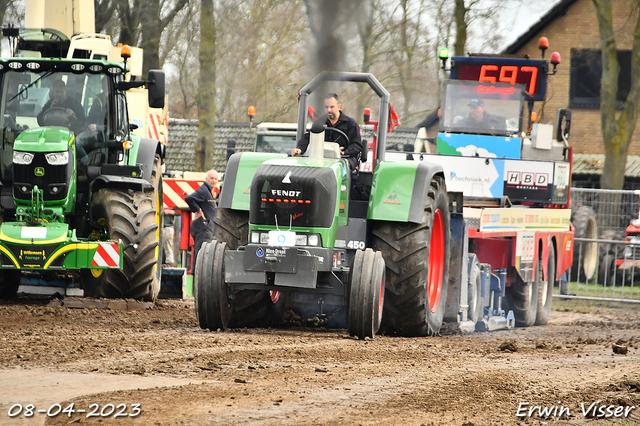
pixel 10 13
pixel 142 24
pixel 206 87
pixel 154 17
pixel 129 17
pixel 460 15
pixel 180 42
pixel 616 132
pixel 104 10
pixel 262 65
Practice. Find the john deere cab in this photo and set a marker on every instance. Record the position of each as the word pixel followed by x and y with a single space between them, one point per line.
pixel 81 205
pixel 295 232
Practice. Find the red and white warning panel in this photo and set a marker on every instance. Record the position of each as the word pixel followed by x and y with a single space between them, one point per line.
pixel 107 255
pixel 176 189
pixel 157 127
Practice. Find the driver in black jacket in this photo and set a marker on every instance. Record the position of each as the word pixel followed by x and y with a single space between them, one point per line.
pixel 337 119
pixel 72 107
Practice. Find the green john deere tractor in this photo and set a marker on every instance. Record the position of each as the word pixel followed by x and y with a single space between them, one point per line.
pixel 87 218
pixel 307 233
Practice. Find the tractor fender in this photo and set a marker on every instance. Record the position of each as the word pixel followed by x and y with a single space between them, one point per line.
pixel 238 175
pixel 145 155
pixel 399 190
pixel 119 182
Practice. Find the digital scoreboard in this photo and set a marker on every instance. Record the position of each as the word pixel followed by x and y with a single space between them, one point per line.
pixel 532 73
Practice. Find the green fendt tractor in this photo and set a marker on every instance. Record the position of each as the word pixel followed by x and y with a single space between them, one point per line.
pixel 72 217
pixel 308 233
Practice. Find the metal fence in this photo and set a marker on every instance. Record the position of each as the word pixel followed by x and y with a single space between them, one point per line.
pixel 614 208
pixel 615 277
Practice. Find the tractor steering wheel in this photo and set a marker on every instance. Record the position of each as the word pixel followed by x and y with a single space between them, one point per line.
pixel 56 116
pixel 341 134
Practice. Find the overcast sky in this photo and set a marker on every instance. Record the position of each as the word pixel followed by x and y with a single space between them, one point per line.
pixel 517 17
pixel 522 14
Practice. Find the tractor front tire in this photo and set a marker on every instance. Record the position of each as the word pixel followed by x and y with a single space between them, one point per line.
pixel 417 256
pixel 210 291
pixel 366 294
pixel 131 218
pixel 545 287
pixel 251 307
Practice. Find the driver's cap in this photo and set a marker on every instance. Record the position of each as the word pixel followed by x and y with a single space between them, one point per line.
pixel 476 103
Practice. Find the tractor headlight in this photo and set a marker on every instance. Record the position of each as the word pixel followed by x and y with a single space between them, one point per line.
pixel 314 240
pixel 301 239
pixel 24 158
pixel 57 158
pixel 255 237
pixel 264 238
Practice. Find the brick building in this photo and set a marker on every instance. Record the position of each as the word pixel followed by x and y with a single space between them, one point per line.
pixel 572 29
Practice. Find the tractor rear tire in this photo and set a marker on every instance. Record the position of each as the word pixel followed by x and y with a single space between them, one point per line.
pixel 545 287
pixel 585 255
pixel 210 291
pixel 366 294
pixel 522 298
pixel 232 227
pixel 132 218
pixel 156 193
pixel 9 283
pixel 417 256
pixel 250 307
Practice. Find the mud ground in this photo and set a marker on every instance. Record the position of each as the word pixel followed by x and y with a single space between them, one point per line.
pixel 155 366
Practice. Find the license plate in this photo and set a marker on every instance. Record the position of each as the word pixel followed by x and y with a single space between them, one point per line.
pixel 282 238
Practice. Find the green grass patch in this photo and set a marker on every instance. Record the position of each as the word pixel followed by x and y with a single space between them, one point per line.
pixel 593 289
pixel 590 306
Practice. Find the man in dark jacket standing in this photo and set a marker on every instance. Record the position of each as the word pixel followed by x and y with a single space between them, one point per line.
pixel 337 119
pixel 202 203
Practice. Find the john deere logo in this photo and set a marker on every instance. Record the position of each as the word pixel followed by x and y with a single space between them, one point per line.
pixel 39 171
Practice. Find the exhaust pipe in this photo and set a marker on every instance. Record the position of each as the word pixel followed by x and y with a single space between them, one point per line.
pixel 316 140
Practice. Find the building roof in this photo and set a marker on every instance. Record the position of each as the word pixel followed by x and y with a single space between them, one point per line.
pixel 556 11
pixel 181 142
pixel 592 164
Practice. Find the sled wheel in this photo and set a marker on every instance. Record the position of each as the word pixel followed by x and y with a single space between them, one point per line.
pixel 523 300
pixel 475 311
pixel 607 273
pixel 545 287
